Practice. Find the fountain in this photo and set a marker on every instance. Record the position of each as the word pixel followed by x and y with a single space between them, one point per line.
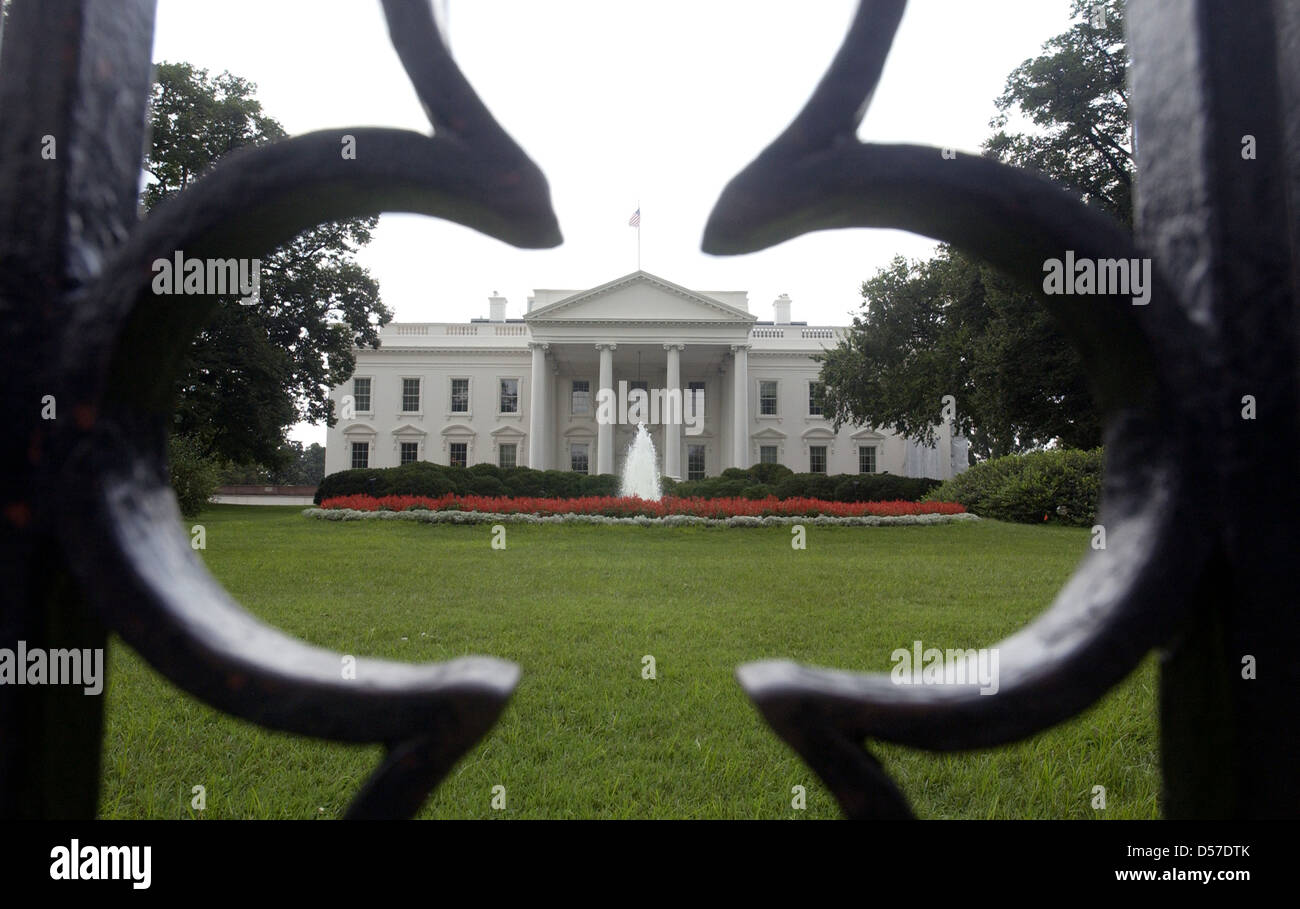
pixel 640 475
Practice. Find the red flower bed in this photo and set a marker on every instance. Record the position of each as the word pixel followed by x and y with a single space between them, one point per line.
pixel 619 507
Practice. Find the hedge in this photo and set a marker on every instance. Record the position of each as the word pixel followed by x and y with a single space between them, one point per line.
pixel 1062 486
pixel 781 481
pixel 423 478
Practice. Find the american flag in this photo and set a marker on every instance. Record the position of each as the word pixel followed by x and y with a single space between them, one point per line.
pixel 635 220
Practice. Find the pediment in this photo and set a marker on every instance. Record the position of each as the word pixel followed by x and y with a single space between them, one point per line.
pixel 409 429
pixel 867 435
pixel 459 429
pixel 769 433
pixel 358 429
pixel 639 297
pixel 508 432
pixel 818 433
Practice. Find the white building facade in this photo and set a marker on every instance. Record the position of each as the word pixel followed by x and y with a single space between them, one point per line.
pixel 525 392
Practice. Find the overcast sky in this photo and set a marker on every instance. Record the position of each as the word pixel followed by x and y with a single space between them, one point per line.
pixel 620 103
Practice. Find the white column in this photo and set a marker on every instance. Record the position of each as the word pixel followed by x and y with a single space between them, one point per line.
pixel 673 421
pixel 537 415
pixel 605 429
pixel 740 406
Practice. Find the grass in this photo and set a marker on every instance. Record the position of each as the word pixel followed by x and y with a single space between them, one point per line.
pixel 578 608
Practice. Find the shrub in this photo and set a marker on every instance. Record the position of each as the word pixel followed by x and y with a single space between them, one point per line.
pixel 600 485
pixel 423 478
pixel 819 486
pixel 523 481
pixel 770 474
pixel 730 488
pixel 1027 487
pixel 560 484
pixel 759 491
pixel 792 487
pixel 486 485
pixel 193 475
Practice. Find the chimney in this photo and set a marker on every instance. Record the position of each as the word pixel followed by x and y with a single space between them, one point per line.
pixel 497 308
pixel 781 307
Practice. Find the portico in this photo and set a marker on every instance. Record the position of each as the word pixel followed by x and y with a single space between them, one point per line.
pixel 674 342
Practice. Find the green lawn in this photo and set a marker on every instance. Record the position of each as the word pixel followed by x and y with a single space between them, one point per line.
pixel 577 608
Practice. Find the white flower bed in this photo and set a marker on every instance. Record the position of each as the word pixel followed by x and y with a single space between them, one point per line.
pixel 675 520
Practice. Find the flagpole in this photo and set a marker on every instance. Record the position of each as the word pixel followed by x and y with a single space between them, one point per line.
pixel 638 235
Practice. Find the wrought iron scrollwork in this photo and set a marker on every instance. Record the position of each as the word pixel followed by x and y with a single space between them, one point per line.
pixel 1144 363
pixel 110 350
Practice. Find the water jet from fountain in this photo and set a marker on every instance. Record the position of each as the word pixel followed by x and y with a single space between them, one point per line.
pixel 640 475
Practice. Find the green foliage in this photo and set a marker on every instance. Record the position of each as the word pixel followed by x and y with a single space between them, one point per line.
pixel 950 325
pixel 488 486
pixel 193 474
pixel 770 474
pixel 1076 94
pixel 424 478
pixel 1028 487
pixel 303 467
pixel 253 371
pixel 600 484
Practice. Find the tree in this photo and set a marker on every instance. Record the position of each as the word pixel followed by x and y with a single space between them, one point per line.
pixel 256 370
pixel 303 467
pixel 951 325
pixel 1077 96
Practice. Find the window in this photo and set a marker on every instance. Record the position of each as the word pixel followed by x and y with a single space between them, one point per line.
pixel 459 454
pixel 695 398
pixel 409 452
pixel 815 399
pixel 767 398
pixel 360 454
pixel 361 395
pixel 581 397
pixel 460 395
pixel 410 396
pixel 507 455
pixel 817 459
pixel 767 454
pixel 638 383
pixel 510 396
pixel 694 461
pixel 866 459
pixel 578 457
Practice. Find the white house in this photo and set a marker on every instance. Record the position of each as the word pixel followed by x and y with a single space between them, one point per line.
pixel 526 391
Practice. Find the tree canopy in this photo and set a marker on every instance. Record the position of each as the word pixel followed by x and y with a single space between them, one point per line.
pixel 952 325
pixel 256 370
